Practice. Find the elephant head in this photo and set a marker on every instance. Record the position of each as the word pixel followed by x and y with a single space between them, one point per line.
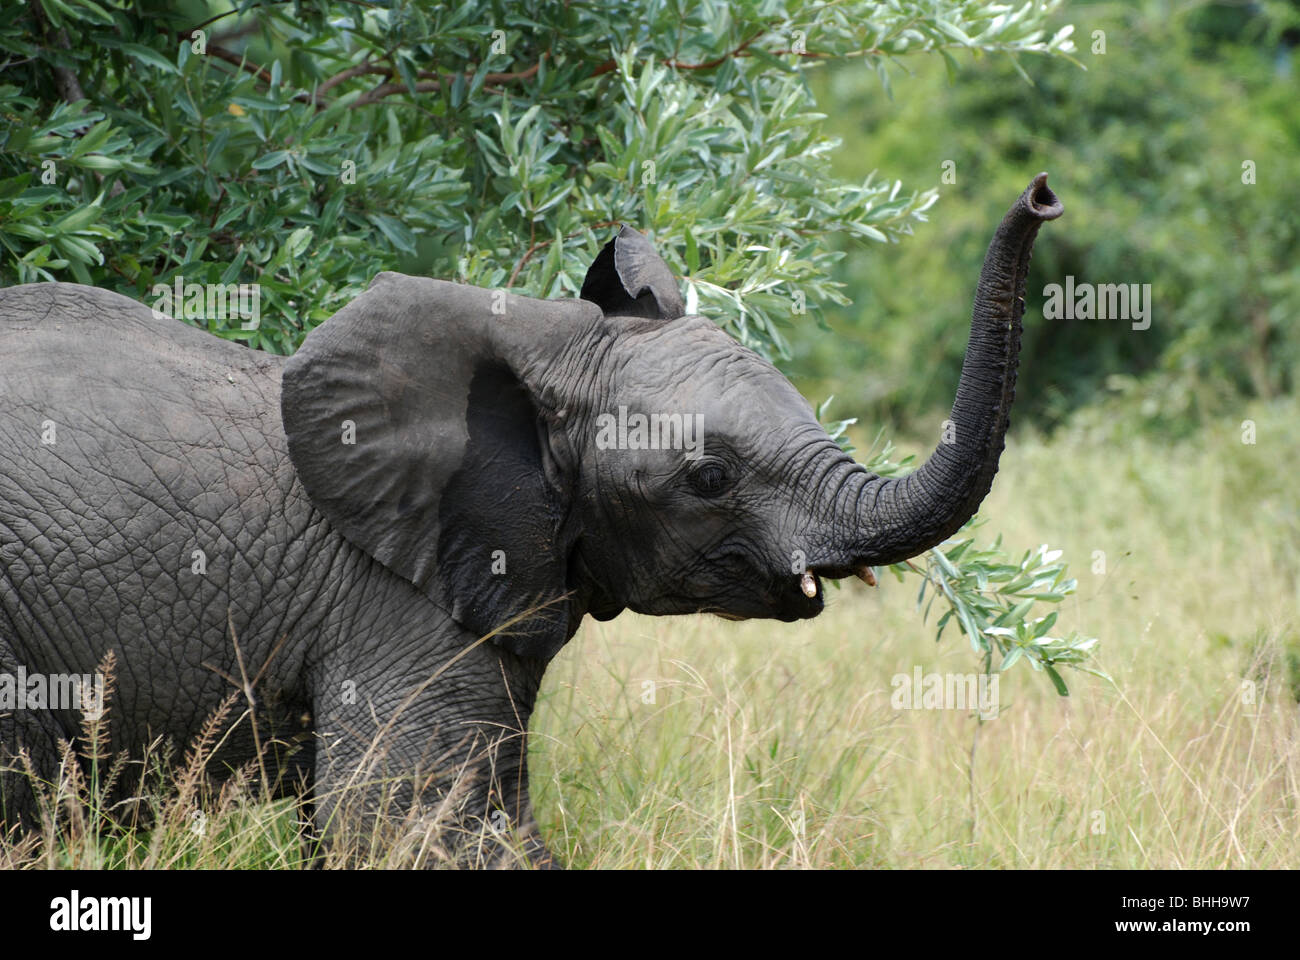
pixel 532 461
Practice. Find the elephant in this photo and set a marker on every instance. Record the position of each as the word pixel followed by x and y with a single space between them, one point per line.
pixel 377 544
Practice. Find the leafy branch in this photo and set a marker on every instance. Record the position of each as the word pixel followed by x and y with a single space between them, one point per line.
pixel 993 597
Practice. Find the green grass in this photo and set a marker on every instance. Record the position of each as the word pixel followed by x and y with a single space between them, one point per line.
pixel 767 745
pixel 771 745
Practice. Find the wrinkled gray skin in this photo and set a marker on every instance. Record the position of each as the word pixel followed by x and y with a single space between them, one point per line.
pixel 344 576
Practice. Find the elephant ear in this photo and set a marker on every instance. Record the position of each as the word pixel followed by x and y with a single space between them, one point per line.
pixel 417 420
pixel 629 279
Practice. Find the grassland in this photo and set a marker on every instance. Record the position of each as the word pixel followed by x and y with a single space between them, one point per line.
pixel 691 742
pixel 770 745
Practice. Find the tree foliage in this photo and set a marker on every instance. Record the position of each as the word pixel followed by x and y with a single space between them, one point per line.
pixel 306 146
pixel 311 144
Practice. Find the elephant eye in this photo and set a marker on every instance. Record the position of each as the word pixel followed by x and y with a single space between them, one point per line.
pixel 709 479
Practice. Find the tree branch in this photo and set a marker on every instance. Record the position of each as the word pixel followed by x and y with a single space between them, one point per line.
pixel 742 50
pixel 229 56
pixel 221 53
pixel 65 81
pixel 738 51
pixel 361 69
pixel 430 85
pixel 538 245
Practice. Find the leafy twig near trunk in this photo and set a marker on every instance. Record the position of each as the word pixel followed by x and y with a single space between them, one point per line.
pixel 991 595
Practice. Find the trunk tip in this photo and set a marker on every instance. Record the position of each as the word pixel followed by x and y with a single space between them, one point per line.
pixel 1040 200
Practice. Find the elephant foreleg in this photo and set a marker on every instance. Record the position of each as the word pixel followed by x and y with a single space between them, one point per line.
pixel 434 774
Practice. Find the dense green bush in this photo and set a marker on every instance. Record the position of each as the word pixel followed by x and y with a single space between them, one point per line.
pixel 309 146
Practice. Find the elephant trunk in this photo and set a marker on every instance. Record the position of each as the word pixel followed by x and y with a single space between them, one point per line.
pixel 897 518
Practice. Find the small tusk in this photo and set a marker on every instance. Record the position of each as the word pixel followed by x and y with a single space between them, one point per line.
pixel 808 584
pixel 864 574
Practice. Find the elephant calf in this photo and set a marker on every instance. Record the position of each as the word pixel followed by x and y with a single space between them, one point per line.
pixel 381 541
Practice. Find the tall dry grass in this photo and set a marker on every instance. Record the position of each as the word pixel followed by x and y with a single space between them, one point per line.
pixel 768 745
pixel 164 809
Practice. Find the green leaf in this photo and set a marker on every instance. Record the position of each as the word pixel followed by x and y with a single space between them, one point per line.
pixel 954 31
pixel 93 139
pixel 1057 682
pixel 270 160
pixel 98 162
pixel 77 219
pixel 1009 659
pixel 398 235
pixel 146 55
pixel 693 257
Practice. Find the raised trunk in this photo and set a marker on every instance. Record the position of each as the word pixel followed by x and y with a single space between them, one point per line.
pixel 899 518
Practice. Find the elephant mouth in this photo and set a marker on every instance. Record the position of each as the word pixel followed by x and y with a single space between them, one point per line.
pixel 802 596
pixel 860 569
pixel 784 599
pixel 782 596
pixel 796 596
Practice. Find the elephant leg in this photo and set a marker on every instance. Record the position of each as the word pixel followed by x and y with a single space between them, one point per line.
pixel 29 751
pixel 433 773
pixel 18 807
